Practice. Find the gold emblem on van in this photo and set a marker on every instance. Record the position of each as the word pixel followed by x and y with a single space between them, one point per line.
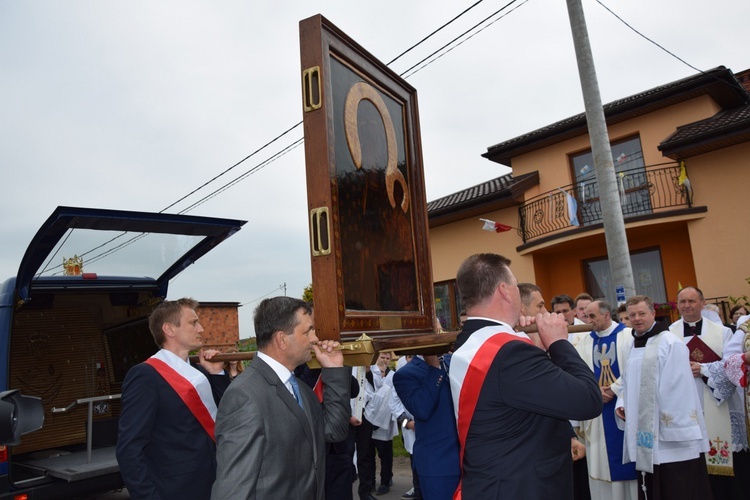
pixel 73 266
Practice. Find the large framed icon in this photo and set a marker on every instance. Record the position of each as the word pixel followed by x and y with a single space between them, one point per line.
pixel 365 187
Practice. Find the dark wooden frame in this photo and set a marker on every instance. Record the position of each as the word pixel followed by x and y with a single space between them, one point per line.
pixel 331 62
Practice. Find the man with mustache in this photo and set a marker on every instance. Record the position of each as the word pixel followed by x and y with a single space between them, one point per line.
pixel 271 431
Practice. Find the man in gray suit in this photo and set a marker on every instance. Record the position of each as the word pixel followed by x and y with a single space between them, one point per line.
pixel 271 432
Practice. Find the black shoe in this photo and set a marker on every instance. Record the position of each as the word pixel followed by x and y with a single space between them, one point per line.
pixel 383 489
pixel 370 497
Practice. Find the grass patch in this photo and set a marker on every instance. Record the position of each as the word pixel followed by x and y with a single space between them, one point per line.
pixel 398 447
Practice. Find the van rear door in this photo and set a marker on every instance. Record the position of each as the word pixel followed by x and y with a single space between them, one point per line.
pixel 120 243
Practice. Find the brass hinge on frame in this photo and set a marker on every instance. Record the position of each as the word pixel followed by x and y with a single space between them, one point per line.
pixel 320 231
pixel 311 95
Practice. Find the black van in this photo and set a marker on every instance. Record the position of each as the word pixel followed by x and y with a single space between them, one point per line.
pixel 72 322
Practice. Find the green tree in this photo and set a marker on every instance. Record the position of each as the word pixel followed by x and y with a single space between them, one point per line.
pixel 245 345
pixel 742 300
pixel 307 293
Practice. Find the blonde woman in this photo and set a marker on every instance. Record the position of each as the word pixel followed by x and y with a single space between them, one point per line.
pixel 234 368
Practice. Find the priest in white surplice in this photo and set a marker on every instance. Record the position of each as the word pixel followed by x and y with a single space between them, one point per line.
pixel 605 350
pixel 736 368
pixel 664 429
pixel 714 390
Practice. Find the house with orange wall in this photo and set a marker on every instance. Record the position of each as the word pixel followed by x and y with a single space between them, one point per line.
pixel 681 153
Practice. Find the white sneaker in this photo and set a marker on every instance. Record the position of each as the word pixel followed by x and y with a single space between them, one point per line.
pixel 409 495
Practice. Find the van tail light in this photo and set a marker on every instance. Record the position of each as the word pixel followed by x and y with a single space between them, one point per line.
pixel 4 458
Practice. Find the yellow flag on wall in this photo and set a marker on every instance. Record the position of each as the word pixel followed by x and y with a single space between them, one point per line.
pixel 683 179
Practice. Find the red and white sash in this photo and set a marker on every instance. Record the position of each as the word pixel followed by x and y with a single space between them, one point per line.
pixel 469 367
pixel 191 386
pixel 318 389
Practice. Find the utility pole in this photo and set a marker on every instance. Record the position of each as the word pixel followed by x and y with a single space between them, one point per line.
pixel 614 223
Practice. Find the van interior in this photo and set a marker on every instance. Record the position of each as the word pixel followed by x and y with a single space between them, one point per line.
pixel 73 350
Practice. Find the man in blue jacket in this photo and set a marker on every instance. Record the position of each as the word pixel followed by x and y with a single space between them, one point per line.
pixel 424 389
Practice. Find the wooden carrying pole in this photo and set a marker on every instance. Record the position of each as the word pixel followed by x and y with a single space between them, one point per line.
pixel 364 350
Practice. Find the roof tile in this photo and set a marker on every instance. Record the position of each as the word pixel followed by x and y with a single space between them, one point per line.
pixel 496 188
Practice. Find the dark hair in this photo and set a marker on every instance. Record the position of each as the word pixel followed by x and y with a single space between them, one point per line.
pixel 700 293
pixel 562 299
pixel 526 289
pixel 637 299
pixel 480 275
pixel 169 311
pixel 276 314
pixel 737 308
pixel 622 308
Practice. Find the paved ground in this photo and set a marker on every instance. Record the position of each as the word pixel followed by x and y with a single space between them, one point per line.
pixel 401 479
pixel 401 483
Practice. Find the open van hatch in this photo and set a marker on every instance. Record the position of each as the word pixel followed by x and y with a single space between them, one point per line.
pixel 70 333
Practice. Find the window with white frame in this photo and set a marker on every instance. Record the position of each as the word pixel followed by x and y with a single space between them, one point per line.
pixel 448 305
pixel 647 274
pixel 632 184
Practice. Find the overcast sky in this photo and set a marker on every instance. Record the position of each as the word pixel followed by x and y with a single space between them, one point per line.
pixel 132 105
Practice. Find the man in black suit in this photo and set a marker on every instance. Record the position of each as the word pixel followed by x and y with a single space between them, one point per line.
pixel 165 446
pixel 514 404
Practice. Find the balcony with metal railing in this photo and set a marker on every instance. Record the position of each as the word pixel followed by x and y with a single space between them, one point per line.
pixel 644 191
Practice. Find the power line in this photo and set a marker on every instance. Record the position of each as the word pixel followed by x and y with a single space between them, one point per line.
pixel 662 48
pixel 273 158
pixel 137 237
pixel 296 143
pixel 280 287
pixel 216 192
pixel 462 41
pixel 233 166
pixel 430 35
pixel 440 52
pixel 244 175
pixel 49 261
pixel 648 39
